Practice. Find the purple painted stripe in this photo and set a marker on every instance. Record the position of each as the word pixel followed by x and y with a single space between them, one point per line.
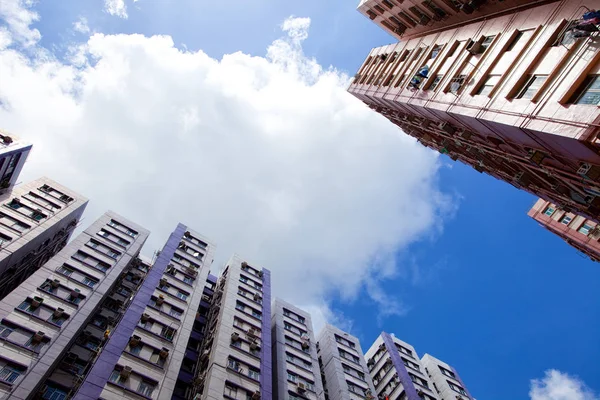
pixel 409 387
pixel 212 278
pixel 266 362
pixel 461 382
pixel 95 381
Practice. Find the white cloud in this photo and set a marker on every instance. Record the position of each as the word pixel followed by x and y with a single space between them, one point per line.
pixel 558 385
pixel 269 156
pixel 18 18
pixel 116 8
pixel 81 25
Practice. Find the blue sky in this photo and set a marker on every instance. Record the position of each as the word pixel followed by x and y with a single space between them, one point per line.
pixel 481 285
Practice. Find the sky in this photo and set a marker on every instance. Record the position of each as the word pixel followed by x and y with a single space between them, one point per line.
pixel 233 118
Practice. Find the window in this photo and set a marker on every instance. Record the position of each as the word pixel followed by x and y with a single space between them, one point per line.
pixel 182 295
pixel 488 85
pixel 533 83
pixel 122 242
pixel 168 333
pixel 64 270
pixel 585 229
pixel 457 82
pixel 447 372
pixel 456 388
pixel 254 374
pixel 486 42
pixel 514 41
pixel 115 376
pixel 549 211
pixel 112 254
pixel 566 220
pixel 188 280
pixel 589 91
pixel 136 349
pixel 436 81
pixel 230 391
pixel 174 312
pixel 54 393
pixel 89 282
pixel 146 388
pixel 9 374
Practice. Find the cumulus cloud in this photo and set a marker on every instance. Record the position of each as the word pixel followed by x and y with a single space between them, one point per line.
pixel 18 17
pixel 81 25
pixel 116 8
pixel 558 385
pixel 269 156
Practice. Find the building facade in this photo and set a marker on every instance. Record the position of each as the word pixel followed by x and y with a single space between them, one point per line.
pixel 189 371
pixel 143 355
pixel 36 221
pixel 509 88
pixel 13 154
pixel 236 356
pixel 343 368
pixel 445 379
pixel 296 372
pixel 578 231
pixel 397 372
pixel 43 316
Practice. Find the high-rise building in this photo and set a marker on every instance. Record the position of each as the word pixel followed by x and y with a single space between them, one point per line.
pixel 445 379
pixel 36 221
pixel 343 368
pixel 236 355
pixel 143 355
pixel 42 317
pixel 296 372
pixel 510 88
pixel 579 232
pixel 13 154
pixel 397 371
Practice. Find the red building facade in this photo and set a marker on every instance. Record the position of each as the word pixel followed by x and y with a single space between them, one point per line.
pixel 512 89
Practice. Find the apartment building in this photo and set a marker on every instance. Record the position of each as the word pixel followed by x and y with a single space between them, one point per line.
pixel 36 221
pixel 43 316
pixel 445 379
pixel 13 154
pixel 143 355
pixel 509 88
pixel 296 372
pixel 343 368
pixel 236 358
pixel 397 372
pixel 580 232
pixel 190 368
pixel 65 377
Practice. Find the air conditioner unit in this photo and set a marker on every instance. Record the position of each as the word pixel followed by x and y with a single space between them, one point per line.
pixel 447 127
pixel 305 344
pixel 260 273
pixel 38 337
pixel 254 346
pixel 36 302
pixel 164 353
pixel 145 317
pixel 75 293
pixel 160 300
pixel 58 313
pixel 301 387
pixel 55 283
pixel 420 392
pixel 465 134
pixel 251 332
pixel 235 337
pixel 304 336
pixel 125 372
pixel 589 171
pixel 244 264
pixel 476 48
pixel 256 297
pixel 256 395
pixel 134 341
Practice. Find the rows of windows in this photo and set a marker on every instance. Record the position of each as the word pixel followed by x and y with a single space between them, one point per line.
pixel 248 310
pixel 294 316
pixel 22 337
pixel 26 210
pixel 250 282
pixel 585 228
pixel 122 228
pixel 147 352
pixel 244 369
pixel 173 290
pixel 123 377
pixel 57 194
pixel 160 305
pixel 54 287
pixel 104 249
pixel 33 306
pixel 157 328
